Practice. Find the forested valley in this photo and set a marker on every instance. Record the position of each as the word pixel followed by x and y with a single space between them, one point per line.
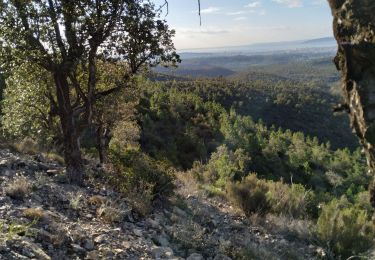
pixel 257 144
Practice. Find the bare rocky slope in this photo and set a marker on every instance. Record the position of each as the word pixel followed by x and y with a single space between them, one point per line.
pixel 54 220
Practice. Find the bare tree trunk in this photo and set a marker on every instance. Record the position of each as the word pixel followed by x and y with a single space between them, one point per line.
pixel 354 27
pixel 72 153
pixel 100 147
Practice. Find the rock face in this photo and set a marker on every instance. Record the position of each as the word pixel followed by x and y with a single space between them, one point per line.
pixel 354 24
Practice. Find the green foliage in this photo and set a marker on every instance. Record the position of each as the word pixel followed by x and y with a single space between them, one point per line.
pixel 254 195
pixel 27 146
pixel 63 40
pixel 345 228
pixel 15 229
pixel 25 107
pixel 225 166
pixel 178 126
pixel 288 200
pixel 291 104
pixel 134 170
pixel 2 87
pixel 250 195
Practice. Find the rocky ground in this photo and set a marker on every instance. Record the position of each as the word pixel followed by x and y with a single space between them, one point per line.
pixel 42 217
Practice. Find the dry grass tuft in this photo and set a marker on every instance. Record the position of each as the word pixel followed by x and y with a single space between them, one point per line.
pixel 27 146
pixel 18 188
pixel 34 213
pixel 141 199
pixel 110 213
pixel 97 200
pixel 54 157
pixel 250 195
pixel 75 199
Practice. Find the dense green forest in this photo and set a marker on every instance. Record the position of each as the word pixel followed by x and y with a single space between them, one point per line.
pixel 191 126
pixel 294 94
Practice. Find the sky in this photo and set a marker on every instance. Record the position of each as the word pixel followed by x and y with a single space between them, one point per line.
pixel 242 22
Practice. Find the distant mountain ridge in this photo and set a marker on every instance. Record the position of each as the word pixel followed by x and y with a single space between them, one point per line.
pixel 325 40
pixel 314 45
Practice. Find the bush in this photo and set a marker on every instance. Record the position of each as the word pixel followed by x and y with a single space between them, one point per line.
pixel 134 170
pixel 250 195
pixel 27 146
pixel 110 212
pixel 141 199
pixel 287 200
pixel 34 213
pixel 253 195
pixel 345 228
pixel 224 166
pixel 19 188
pixel 314 201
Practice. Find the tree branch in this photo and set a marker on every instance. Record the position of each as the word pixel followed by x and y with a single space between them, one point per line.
pixel 112 90
pixel 45 61
pixel 60 43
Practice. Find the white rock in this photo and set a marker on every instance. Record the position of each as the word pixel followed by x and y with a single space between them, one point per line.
pixel 100 239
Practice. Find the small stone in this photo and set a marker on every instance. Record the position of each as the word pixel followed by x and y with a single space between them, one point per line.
pixel 320 252
pixel 4 163
pixel 78 249
pixel 89 244
pixel 179 212
pixel 137 232
pixel 161 240
pixel 195 256
pixel 93 255
pixel 100 239
pixel 161 252
pixel 222 257
pixel 153 223
pixel 156 252
pixel 126 244
pixel 52 172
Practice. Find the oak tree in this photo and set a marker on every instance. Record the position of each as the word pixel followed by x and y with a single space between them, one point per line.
pixel 67 39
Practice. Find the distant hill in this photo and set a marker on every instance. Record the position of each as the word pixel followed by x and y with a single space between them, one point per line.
pixel 197 70
pixel 282 64
pixel 318 45
pixel 325 40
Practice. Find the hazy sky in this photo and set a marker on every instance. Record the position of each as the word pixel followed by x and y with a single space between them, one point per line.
pixel 241 22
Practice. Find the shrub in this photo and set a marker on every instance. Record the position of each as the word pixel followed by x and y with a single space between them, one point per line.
pixel 34 213
pixel 345 228
pixel 109 212
pixel 224 166
pixel 287 199
pixel 141 199
pixel 27 146
pixel 54 157
pixel 18 188
pixel 134 170
pixel 75 200
pixel 314 202
pixel 250 195
pixel 96 200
